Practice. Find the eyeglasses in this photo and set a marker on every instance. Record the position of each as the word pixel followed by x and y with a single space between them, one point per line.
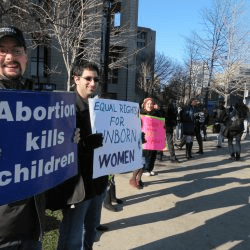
pixel 17 51
pixel 89 78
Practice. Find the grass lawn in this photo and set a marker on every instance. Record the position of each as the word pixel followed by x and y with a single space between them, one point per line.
pixel 52 223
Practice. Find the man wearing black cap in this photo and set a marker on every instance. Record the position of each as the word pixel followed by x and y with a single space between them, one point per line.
pixel 20 222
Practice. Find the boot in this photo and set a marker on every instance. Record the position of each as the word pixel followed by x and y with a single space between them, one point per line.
pixel 189 150
pixel 107 201
pixel 139 182
pixel 237 156
pixel 200 147
pixel 232 157
pixel 113 193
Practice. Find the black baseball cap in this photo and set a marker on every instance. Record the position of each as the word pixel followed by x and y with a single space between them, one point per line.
pixel 13 32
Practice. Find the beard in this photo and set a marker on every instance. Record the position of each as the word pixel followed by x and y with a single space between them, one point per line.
pixel 11 70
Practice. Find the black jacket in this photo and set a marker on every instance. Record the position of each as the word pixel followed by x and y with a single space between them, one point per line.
pixel 188 119
pixel 22 220
pixel 220 114
pixel 92 186
pixel 170 118
pixel 82 186
pixel 235 122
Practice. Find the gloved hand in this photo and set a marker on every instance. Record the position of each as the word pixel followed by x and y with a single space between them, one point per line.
pixel 76 136
pixel 94 140
pixel 143 138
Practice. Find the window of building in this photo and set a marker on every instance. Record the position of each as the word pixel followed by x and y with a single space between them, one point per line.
pixel 39 62
pixel 117 19
pixel 141 35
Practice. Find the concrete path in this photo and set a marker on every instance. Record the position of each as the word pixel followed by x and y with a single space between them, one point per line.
pixel 198 204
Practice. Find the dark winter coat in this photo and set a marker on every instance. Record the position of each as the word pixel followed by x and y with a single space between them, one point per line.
pixel 22 220
pixel 220 114
pixel 235 122
pixel 82 186
pixel 188 119
pixel 170 118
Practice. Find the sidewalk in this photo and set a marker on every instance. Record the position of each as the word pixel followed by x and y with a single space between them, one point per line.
pixel 194 205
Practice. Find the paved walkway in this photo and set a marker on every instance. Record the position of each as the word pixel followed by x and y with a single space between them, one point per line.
pixel 194 205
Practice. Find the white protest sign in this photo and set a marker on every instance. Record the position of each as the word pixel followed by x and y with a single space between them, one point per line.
pixel 120 124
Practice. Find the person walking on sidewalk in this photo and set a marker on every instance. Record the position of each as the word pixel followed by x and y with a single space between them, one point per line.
pixel 188 120
pixel 234 129
pixel 170 123
pixel 220 117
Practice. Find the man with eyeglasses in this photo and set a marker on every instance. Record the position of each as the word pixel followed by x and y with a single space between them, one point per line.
pixel 82 216
pixel 20 222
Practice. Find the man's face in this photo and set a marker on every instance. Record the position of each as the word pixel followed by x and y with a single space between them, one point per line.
pixel 87 83
pixel 13 58
pixel 194 103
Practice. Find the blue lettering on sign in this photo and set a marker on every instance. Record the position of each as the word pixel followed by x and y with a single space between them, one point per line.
pixel 115 159
pixel 37 150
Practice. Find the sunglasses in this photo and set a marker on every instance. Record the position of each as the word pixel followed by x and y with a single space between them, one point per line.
pixel 89 78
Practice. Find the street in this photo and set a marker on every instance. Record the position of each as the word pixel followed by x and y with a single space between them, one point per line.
pixel 193 205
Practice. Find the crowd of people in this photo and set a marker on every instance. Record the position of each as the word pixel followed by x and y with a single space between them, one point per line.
pixel 81 198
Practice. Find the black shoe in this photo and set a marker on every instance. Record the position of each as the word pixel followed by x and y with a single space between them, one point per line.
pixel 178 146
pixel 200 152
pixel 102 228
pixel 232 157
pixel 110 207
pixel 237 157
pixel 118 201
pixel 141 183
pixel 218 146
pixel 175 161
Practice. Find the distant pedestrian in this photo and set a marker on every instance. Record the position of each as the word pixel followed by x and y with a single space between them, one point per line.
pixel 234 129
pixel 170 123
pixel 220 117
pixel 188 120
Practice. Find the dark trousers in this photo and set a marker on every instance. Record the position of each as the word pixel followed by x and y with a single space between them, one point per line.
pixel 170 142
pixel 150 157
pixel 237 147
pixel 199 138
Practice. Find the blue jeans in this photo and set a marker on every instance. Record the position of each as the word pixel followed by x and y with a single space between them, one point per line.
pixel 100 199
pixel 179 130
pixel 78 227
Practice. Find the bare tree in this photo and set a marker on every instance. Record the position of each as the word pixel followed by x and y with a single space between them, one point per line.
pixel 235 55
pixel 193 67
pixel 217 39
pixel 69 26
pixel 73 28
pixel 154 78
pixel 229 82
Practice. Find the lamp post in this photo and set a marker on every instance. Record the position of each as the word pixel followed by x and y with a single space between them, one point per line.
pixel 105 40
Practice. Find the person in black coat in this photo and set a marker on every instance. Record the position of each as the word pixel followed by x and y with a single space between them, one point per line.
pixel 170 123
pixel 21 222
pixel 188 120
pixel 83 194
pixel 220 116
pixel 234 129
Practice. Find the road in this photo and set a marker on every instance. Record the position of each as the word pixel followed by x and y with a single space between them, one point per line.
pixel 193 205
